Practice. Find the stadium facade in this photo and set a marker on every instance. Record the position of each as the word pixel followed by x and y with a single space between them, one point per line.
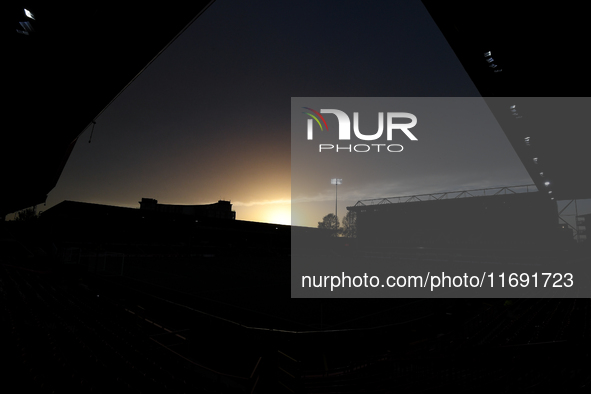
pixel 221 209
pixel 464 219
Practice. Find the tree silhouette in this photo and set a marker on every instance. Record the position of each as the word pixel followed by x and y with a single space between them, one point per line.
pixel 26 215
pixel 349 228
pixel 330 222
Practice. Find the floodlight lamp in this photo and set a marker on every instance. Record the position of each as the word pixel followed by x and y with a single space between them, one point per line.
pixel 487 54
pixel 547 183
pixel 490 60
pixel 493 66
pixel 512 107
pixel 550 192
pixel 336 181
pixel 535 160
pixel 542 173
pixel 29 14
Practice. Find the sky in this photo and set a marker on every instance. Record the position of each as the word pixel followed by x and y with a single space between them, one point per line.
pixel 209 119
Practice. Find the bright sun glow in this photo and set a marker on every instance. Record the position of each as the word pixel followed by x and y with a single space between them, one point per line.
pixel 280 216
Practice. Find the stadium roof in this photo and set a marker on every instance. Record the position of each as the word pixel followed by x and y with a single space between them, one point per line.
pixel 528 61
pixel 66 64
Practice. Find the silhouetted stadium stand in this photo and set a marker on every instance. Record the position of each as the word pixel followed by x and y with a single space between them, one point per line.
pixel 99 319
pixel 79 333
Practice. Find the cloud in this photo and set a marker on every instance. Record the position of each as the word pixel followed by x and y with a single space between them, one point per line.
pixel 265 202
